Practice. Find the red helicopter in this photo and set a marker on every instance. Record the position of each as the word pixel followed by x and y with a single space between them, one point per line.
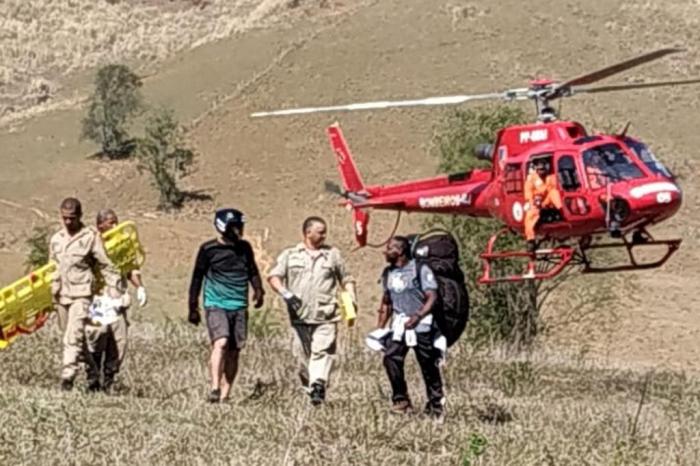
pixel 608 186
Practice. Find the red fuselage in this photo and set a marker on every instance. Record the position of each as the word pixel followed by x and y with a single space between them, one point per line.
pixel 590 171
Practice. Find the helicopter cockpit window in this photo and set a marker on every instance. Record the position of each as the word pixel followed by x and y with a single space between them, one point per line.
pixel 648 157
pixel 567 173
pixel 606 163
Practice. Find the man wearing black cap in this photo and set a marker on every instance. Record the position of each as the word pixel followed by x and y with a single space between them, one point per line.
pixel 226 266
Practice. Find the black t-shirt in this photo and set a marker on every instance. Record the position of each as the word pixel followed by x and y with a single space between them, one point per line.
pixel 226 269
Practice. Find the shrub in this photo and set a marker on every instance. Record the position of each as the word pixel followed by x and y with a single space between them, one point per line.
pixel 115 101
pixel 161 153
pixel 38 244
pixel 504 311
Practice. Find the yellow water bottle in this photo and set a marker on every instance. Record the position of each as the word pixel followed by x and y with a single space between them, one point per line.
pixel 347 308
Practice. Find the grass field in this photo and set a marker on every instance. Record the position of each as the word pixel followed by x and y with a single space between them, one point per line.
pixel 502 409
pixel 85 34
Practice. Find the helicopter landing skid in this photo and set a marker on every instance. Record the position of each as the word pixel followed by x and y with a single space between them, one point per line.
pixel 548 262
pixel 640 238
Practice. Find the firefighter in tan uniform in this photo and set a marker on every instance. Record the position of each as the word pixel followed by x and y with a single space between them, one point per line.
pixel 308 276
pixel 107 343
pixel 77 250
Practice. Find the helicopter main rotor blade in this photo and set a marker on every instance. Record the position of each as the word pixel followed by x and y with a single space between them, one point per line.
pixel 624 87
pixel 445 100
pixel 590 78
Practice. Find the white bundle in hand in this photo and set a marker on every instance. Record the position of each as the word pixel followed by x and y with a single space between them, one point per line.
pixel 105 310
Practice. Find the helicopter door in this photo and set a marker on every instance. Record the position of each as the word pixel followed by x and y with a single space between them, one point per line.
pixel 547 214
pixel 513 186
pixel 570 186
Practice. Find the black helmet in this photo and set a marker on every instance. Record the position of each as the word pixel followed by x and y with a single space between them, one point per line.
pixel 225 217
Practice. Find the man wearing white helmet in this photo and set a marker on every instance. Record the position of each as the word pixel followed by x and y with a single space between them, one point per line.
pixel 225 265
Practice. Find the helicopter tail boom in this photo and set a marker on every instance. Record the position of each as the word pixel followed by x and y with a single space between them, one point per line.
pixel 352 182
pixel 456 193
pixel 354 188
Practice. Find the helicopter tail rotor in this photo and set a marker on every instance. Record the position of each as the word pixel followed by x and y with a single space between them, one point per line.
pixel 333 188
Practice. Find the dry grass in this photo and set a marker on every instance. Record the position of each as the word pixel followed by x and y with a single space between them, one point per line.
pixel 43 40
pixel 529 409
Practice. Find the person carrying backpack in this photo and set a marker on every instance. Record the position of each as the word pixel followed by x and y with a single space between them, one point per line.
pixel 410 292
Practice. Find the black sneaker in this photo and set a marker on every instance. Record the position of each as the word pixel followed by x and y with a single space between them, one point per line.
pixel 66 385
pixel 318 393
pixel 214 396
pixel 435 412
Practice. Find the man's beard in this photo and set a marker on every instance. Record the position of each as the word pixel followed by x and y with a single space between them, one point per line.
pixel 74 228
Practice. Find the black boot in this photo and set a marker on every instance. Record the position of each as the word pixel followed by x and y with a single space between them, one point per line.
pixel 94 386
pixel 108 382
pixel 66 385
pixel 614 229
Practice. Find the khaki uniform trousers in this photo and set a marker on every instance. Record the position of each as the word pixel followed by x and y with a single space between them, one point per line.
pixel 73 318
pixel 109 341
pixel 315 348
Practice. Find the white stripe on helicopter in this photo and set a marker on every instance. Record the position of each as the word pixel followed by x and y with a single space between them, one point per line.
pixel 650 188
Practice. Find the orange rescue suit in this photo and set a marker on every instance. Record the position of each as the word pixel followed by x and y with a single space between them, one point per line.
pixel 548 194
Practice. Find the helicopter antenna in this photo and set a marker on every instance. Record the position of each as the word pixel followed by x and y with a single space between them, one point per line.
pixel 623 133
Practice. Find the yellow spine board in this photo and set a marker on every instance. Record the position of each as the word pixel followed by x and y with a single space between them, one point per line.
pixel 25 304
pixel 123 248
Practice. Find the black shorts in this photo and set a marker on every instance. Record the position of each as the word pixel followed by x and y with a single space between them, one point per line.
pixel 228 324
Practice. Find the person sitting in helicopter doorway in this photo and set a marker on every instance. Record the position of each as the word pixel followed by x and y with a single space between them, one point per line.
pixel 107 343
pixel 540 193
pixel 408 298
pixel 596 170
pixel 226 265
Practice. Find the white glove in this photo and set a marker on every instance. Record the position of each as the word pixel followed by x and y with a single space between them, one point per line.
pixel 141 296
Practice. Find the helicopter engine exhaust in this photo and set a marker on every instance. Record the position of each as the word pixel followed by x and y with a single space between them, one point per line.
pixel 483 151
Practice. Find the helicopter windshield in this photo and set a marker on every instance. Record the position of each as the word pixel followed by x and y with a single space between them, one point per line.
pixel 606 163
pixel 647 156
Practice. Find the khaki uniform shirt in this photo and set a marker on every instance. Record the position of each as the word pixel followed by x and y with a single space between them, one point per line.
pixel 314 279
pixel 76 258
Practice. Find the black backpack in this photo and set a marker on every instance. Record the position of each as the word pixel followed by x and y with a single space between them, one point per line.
pixel 439 250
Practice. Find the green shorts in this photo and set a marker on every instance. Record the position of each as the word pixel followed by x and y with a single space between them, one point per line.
pixel 232 325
